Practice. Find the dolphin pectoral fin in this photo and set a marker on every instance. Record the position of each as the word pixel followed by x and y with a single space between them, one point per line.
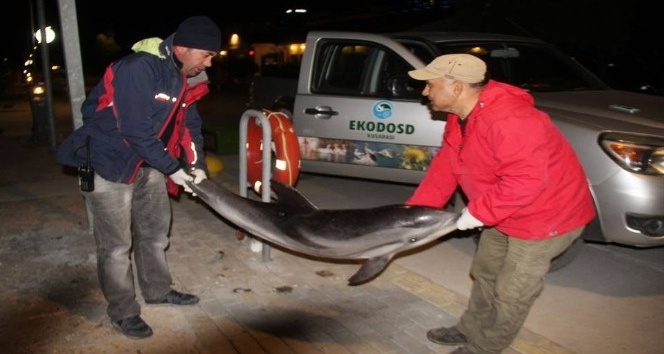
pixel 371 268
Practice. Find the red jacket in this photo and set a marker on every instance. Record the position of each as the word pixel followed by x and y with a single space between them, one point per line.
pixel 518 171
pixel 181 142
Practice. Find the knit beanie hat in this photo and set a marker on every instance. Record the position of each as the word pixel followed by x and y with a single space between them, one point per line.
pixel 198 32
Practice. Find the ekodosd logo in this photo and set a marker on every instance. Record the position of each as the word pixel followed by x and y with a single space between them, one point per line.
pixel 382 109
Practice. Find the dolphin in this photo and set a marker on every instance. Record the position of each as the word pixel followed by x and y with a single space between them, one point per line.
pixel 293 222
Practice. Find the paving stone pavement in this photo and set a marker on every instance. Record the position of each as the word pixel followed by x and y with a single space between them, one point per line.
pixel 51 302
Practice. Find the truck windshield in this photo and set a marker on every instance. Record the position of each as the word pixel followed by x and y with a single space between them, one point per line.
pixel 532 67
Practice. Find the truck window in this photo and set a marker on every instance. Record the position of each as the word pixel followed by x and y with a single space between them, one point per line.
pixel 534 68
pixel 339 69
pixel 354 69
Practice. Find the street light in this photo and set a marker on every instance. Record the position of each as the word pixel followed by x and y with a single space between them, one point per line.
pixel 40 99
pixel 50 35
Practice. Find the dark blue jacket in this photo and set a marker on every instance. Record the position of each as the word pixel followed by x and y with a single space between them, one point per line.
pixel 126 114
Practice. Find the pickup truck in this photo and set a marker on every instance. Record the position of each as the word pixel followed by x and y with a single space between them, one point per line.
pixel 356 113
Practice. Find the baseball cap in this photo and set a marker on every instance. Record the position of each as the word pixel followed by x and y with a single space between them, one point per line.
pixel 463 67
pixel 198 32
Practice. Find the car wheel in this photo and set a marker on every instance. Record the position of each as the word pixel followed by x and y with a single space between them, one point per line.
pixel 560 261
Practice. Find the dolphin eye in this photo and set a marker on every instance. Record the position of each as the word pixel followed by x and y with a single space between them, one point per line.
pixel 412 240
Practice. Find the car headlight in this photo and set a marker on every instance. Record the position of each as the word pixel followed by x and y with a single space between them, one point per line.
pixel 636 153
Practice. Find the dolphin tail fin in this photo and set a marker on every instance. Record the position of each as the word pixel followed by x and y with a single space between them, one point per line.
pixel 370 269
pixel 290 198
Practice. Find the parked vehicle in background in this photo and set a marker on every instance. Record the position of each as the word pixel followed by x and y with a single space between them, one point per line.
pixel 358 114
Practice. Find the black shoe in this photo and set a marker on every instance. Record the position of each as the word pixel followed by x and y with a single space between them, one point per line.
pixel 447 336
pixel 176 298
pixel 133 327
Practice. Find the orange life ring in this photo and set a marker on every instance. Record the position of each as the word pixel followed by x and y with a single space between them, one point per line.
pixel 285 148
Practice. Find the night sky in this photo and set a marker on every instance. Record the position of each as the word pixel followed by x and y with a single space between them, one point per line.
pixel 129 23
pixel 592 25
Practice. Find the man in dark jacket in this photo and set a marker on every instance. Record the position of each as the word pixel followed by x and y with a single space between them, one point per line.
pixel 525 186
pixel 142 136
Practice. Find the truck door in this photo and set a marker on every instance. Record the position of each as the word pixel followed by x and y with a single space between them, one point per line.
pixel 360 115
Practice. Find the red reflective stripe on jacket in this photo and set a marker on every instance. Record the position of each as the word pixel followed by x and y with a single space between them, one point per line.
pixel 194 94
pixel 107 98
pixel 180 143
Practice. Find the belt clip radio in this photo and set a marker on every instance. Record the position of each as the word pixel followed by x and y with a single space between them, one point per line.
pixel 86 174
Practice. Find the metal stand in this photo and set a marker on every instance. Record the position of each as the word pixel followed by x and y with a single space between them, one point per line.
pixel 267 160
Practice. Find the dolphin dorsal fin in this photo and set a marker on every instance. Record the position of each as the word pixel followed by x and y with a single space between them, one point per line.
pixel 291 199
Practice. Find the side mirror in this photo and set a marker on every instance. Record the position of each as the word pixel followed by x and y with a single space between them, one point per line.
pixel 403 87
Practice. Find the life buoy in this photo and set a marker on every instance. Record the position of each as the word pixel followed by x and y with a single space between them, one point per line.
pixel 285 149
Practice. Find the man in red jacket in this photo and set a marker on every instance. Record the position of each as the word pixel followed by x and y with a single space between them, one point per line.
pixel 525 186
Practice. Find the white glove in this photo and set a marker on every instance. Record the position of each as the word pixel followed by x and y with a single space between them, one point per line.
pixel 467 221
pixel 199 175
pixel 180 177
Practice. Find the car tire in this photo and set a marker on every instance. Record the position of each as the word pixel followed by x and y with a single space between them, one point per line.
pixel 560 261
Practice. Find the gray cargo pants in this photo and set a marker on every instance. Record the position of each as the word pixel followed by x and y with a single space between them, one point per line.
pixel 131 217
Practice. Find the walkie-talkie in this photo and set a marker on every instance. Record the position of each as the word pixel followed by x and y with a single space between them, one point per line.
pixel 86 174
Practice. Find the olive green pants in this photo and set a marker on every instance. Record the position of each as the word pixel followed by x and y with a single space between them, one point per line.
pixel 508 275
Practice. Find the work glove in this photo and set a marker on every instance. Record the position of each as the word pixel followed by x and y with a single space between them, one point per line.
pixel 180 177
pixel 199 175
pixel 467 221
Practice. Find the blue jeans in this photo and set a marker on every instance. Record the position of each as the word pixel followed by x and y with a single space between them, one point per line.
pixel 508 275
pixel 131 217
